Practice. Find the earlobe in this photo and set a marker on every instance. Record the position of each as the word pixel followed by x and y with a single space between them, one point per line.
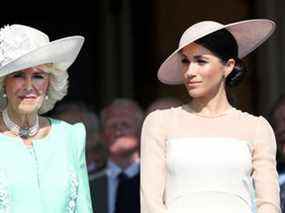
pixel 229 67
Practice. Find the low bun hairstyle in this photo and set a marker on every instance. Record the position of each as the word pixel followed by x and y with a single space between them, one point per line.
pixel 237 75
pixel 222 44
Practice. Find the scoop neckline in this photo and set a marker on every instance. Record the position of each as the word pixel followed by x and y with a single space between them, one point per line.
pixel 222 114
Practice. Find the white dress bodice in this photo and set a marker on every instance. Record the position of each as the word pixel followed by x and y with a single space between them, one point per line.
pixel 219 168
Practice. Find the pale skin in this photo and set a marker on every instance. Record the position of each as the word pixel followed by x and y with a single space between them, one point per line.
pixel 26 90
pixel 204 77
pixel 121 137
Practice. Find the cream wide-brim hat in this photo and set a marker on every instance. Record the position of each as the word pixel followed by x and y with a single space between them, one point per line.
pixel 24 47
pixel 249 34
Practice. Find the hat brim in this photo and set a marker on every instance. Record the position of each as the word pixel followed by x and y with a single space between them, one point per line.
pixel 62 53
pixel 249 35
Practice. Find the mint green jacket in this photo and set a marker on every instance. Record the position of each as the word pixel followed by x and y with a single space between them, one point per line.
pixel 50 177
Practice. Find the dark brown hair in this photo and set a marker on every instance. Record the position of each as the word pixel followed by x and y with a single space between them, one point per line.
pixel 222 44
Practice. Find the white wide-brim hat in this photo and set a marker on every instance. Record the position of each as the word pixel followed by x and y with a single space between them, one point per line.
pixel 248 34
pixel 23 47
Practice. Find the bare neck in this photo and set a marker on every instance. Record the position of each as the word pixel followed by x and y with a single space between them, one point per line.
pixel 22 120
pixel 212 104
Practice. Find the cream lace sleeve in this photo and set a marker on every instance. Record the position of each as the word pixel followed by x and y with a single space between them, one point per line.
pixel 264 169
pixel 153 161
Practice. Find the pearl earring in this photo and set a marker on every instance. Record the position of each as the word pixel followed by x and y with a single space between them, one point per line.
pixel 46 97
pixel 4 95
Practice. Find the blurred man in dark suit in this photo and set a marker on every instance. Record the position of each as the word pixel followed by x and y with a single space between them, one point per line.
pixel 116 190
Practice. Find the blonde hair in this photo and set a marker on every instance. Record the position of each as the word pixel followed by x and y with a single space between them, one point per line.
pixel 57 89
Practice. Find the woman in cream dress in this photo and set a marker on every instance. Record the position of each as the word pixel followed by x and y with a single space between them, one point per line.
pixel 207 156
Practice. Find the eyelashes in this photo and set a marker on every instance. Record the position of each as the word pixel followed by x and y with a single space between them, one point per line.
pixel 39 76
pixel 201 61
pixel 198 61
pixel 36 76
pixel 17 75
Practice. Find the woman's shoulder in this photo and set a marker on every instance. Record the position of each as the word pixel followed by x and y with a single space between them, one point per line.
pixel 247 115
pixel 166 112
pixel 62 128
pixel 55 123
pixel 161 121
pixel 253 120
pixel 75 134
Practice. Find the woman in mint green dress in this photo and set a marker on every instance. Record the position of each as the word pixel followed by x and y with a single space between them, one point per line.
pixel 42 161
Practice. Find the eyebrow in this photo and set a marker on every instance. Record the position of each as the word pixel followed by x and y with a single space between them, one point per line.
pixel 17 72
pixel 196 57
pixel 182 54
pixel 40 72
pixel 37 69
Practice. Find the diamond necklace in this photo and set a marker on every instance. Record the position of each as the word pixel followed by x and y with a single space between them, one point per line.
pixel 20 131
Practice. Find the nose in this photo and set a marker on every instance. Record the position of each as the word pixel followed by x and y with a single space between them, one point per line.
pixel 191 70
pixel 121 129
pixel 28 83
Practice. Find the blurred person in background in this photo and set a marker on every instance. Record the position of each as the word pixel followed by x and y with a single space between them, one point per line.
pixel 117 190
pixel 277 120
pixel 97 155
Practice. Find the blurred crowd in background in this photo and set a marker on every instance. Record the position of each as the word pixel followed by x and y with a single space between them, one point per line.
pixel 113 148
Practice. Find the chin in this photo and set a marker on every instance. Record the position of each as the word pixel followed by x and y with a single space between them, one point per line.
pixel 28 108
pixel 196 93
pixel 122 153
pixel 122 150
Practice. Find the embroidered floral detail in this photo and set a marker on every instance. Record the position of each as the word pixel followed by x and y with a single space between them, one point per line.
pixel 4 195
pixel 71 204
pixel 13 44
